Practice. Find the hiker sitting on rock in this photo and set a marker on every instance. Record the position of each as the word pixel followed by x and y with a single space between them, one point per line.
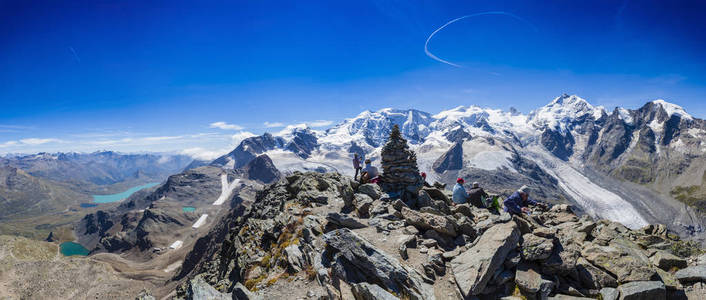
pixel 517 203
pixel 370 174
pixel 476 195
pixel 459 193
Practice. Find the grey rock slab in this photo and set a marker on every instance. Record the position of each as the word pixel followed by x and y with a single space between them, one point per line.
pixel 344 220
pixel 642 290
pixel 375 265
pixel 474 268
pixel 426 221
pixel 691 274
pixel 240 292
pixel 609 293
pixel 667 261
pixel 199 289
pixel 531 281
pixel 366 291
pixel 371 189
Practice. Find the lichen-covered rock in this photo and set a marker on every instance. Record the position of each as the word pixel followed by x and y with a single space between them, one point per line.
pixel 626 263
pixel 642 290
pixel 535 247
pixel 666 261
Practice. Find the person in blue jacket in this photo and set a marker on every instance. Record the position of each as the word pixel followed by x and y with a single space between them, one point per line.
pixel 517 203
pixel 460 195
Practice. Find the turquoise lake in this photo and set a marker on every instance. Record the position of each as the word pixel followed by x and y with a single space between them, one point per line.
pixel 71 248
pixel 188 208
pixel 121 196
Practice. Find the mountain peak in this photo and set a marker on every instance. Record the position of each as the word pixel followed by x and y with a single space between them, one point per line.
pixel 672 109
pixel 564 109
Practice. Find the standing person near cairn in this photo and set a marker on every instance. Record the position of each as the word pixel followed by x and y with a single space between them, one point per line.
pixel 399 166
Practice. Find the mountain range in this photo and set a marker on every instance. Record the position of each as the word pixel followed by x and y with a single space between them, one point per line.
pixel 646 165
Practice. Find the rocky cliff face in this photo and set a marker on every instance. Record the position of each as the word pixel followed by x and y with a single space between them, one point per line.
pixel 154 219
pixel 323 236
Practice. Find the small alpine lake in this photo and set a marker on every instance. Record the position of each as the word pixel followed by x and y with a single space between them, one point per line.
pixel 188 208
pixel 71 249
pixel 121 196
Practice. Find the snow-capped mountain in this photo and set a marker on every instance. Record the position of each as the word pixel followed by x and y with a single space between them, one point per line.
pixel 567 150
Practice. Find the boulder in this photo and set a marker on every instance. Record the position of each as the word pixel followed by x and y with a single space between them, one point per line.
pixel 592 277
pixel 535 247
pixel 199 289
pixel 343 220
pixel 532 282
pixel 426 221
pixel 463 209
pixel 563 259
pixel 625 262
pixel 362 203
pixel 406 241
pixel 444 241
pixel 356 255
pixel 474 268
pixel 666 261
pixel 366 291
pixel 372 190
pixel 691 274
pixel 240 292
pixel 567 297
pixel 295 258
pixel 609 293
pixel 436 194
pixel 642 290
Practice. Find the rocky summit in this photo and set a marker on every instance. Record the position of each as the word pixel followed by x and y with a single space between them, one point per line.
pixel 324 236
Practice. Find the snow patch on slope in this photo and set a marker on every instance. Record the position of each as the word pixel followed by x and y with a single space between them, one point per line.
pixel 673 109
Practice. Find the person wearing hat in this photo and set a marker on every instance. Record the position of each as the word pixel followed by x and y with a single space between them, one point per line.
pixel 476 195
pixel 370 173
pixel 459 192
pixel 517 203
pixel 424 178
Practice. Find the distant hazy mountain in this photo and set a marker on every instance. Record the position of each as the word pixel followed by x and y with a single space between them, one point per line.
pixel 633 166
pixel 96 172
pixel 23 195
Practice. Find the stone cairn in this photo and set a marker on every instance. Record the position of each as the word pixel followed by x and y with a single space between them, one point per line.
pixel 399 166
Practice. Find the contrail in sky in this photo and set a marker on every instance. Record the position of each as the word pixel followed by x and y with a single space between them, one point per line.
pixel 426 44
pixel 74 53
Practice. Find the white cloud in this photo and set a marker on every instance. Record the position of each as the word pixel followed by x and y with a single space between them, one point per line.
pixel 319 123
pixel 226 126
pixel 8 144
pixel 204 154
pixel 240 136
pixel 36 141
pixel 274 124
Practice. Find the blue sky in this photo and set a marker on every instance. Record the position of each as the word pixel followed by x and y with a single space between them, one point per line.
pixel 157 75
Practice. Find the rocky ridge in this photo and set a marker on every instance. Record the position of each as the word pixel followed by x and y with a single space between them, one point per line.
pixel 323 236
